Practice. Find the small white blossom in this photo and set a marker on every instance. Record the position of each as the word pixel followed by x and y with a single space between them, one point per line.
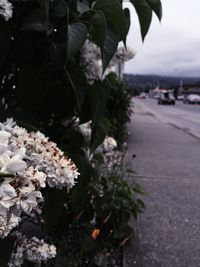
pixel 31 249
pixel 28 198
pixel 6 9
pixel 8 223
pixel 86 131
pixel 7 195
pixel 109 144
pixel 90 61
pixel 13 164
pixel 111 156
pixel 122 55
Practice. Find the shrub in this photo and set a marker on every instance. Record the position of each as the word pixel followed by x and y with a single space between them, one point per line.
pixel 118 107
pixel 99 224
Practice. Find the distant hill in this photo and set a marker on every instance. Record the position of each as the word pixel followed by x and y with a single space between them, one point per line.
pixel 146 82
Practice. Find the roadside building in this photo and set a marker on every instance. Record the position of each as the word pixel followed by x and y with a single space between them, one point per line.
pixel 191 89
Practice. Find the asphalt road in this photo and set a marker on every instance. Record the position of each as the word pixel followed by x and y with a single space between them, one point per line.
pixel 183 116
pixel 167 163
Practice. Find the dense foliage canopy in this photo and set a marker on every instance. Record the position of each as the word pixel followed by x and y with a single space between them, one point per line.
pixel 44 86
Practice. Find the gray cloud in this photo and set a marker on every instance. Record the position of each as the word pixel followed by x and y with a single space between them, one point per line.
pixel 172 47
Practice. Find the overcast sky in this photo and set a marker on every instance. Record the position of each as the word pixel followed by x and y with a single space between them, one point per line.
pixel 171 47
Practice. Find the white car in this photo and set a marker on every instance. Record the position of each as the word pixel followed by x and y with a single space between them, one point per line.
pixel 192 99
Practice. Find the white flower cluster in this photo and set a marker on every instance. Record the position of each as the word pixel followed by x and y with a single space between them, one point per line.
pixel 122 55
pixel 27 162
pixel 90 61
pixel 111 156
pixel 86 131
pixel 31 249
pixel 109 144
pixel 6 9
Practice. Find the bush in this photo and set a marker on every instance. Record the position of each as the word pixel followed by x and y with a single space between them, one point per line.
pixel 118 107
pixel 99 226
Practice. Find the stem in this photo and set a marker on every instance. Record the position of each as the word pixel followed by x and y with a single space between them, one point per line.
pixel 6 175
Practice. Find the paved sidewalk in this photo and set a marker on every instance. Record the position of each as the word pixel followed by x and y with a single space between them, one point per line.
pixel 168 167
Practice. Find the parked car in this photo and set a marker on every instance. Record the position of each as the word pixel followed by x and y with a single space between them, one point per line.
pixel 166 98
pixel 192 99
pixel 143 96
pixel 180 98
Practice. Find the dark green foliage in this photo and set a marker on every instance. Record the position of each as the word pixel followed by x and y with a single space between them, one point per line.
pixel 115 203
pixel 53 208
pixel 6 246
pixel 99 26
pixel 44 88
pixel 5 41
pixel 102 200
pixel 113 12
pixel 119 107
pixel 98 96
pixel 144 9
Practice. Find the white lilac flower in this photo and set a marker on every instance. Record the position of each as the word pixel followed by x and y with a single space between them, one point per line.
pixel 13 164
pixel 90 61
pixel 31 249
pixel 122 55
pixel 92 65
pixel 28 161
pixel 4 137
pixel 8 223
pixel 35 176
pixel 86 130
pixel 28 198
pixel 7 196
pixel 6 9
pixel 60 170
pixel 3 225
pixel 40 251
pixel 109 144
pixel 110 155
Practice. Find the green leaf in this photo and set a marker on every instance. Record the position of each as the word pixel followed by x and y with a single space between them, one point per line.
pixel 44 4
pixel 6 248
pixel 113 12
pixel 53 207
pixel 58 54
pixel 28 96
pixel 35 21
pixel 156 7
pixel 110 46
pixel 77 34
pixel 128 19
pixel 99 27
pixel 82 6
pixel 99 132
pixel 74 140
pixel 5 41
pixel 144 12
pixel 60 8
pixel 45 94
pixel 98 96
pixel 78 81
pixel 79 194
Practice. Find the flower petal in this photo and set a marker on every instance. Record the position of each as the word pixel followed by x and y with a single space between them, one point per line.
pixel 16 166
